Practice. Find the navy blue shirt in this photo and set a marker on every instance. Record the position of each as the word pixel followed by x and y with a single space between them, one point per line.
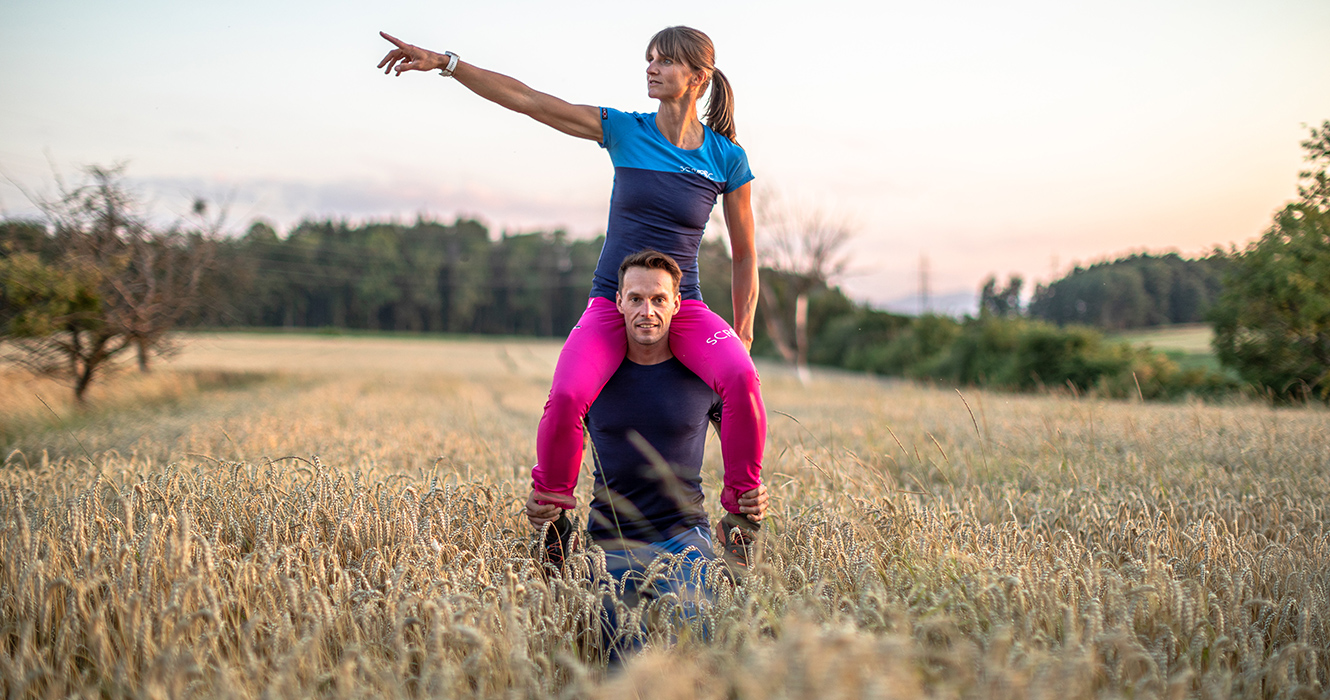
pixel 636 497
pixel 663 195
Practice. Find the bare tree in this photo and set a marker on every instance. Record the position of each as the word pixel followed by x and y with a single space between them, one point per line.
pixel 107 282
pixel 150 277
pixel 805 247
pixel 162 284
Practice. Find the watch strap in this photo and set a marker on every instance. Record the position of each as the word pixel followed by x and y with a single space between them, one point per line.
pixel 447 71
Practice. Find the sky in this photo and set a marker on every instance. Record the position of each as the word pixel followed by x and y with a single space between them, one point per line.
pixel 985 138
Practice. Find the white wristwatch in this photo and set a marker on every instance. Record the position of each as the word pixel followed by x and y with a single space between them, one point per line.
pixel 452 65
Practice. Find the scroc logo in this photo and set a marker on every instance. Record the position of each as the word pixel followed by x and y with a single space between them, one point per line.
pixel 721 335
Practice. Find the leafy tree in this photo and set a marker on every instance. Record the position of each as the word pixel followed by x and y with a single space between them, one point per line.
pixel 54 321
pixel 1272 323
pixel 1002 302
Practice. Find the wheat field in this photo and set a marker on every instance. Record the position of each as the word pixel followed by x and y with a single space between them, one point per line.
pixel 308 516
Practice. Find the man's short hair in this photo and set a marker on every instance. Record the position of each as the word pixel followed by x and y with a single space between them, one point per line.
pixel 652 260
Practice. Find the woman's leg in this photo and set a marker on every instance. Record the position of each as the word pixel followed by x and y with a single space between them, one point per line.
pixel 707 345
pixel 593 351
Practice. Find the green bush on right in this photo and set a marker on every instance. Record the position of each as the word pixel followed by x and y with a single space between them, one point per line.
pixel 1272 321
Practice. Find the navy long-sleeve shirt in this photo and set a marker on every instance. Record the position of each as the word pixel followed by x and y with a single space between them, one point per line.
pixel 636 496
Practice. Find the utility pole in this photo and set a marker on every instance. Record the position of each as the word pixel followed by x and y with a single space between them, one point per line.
pixel 923 283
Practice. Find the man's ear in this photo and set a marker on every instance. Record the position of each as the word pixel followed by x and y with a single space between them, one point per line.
pixel 618 301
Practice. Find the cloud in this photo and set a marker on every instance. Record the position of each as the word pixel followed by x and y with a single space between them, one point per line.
pixel 287 202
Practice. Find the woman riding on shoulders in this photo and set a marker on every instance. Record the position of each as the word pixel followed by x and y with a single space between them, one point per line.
pixel 669 170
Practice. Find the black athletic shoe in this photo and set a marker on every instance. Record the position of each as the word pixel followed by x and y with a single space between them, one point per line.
pixel 738 536
pixel 558 541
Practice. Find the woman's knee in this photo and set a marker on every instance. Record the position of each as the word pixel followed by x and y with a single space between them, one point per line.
pixel 740 377
pixel 569 401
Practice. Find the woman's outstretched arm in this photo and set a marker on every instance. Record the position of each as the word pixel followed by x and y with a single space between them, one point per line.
pixel 743 255
pixel 582 121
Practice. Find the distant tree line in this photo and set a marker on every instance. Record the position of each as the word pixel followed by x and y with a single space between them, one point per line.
pixel 426 276
pixel 1135 291
pixel 429 276
pixel 95 280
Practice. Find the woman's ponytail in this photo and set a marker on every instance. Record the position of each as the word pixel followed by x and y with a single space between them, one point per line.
pixel 695 49
pixel 720 106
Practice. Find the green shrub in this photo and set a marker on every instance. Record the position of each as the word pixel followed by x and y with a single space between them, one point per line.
pixel 911 348
pixel 981 354
pixel 1025 355
pixel 1046 355
pixel 847 340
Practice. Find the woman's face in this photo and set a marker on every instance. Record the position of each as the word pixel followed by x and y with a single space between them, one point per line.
pixel 668 78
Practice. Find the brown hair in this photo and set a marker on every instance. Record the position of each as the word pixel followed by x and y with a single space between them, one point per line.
pixel 652 260
pixel 695 49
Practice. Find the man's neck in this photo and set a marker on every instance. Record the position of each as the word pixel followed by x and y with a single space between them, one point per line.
pixel 649 354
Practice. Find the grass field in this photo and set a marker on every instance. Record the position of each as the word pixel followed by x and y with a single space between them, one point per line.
pixel 309 516
pixel 1189 338
pixel 1188 345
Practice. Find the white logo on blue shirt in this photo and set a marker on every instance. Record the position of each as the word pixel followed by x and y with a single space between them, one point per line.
pixel 704 173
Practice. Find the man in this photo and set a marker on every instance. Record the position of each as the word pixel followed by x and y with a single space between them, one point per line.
pixel 648 428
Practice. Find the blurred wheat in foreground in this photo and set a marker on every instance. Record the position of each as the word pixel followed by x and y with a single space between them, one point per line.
pixel 923 544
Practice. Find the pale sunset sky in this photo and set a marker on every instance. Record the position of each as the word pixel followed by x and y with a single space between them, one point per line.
pixel 991 137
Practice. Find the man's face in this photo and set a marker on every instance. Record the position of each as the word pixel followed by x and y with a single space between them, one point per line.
pixel 647 299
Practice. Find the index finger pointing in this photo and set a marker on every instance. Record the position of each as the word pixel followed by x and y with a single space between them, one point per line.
pixel 400 44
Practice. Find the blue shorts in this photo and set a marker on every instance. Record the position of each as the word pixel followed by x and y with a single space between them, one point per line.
pixel 685 577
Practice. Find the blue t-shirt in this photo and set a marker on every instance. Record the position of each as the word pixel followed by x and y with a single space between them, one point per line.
pixel 663 195
pixel 670 407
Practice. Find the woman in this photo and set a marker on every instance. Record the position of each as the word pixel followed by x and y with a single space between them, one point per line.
pixel 669 170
